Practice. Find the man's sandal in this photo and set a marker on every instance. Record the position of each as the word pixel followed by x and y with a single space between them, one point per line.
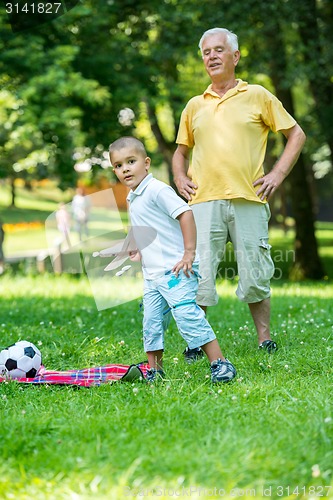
pixel 268 346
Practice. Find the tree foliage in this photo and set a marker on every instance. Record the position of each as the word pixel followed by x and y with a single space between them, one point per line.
pixel 71 77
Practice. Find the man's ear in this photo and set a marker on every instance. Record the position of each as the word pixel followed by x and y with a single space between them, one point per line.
pixel 237 56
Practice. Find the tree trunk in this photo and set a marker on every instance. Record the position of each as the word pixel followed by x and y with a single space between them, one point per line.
pixel 13 191
pixel 318 73
pixel 307 262
pixel 163 145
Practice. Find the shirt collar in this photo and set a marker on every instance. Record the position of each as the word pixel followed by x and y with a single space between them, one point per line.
pixel 240 87
pixel 140 188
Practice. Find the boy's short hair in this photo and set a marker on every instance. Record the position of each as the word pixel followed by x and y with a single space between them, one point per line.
pixel 125 142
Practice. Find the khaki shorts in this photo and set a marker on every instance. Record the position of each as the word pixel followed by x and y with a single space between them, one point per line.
pixel 245 224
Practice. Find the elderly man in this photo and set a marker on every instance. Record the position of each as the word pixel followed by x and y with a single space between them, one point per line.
pixel 227 129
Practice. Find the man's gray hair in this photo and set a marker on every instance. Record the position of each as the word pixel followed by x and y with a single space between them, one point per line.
pixel 232 38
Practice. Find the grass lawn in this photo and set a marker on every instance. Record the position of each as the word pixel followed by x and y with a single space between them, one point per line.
pixel 270 431
pixel 268 434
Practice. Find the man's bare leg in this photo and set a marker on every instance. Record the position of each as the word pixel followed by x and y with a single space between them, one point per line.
pixel 261 312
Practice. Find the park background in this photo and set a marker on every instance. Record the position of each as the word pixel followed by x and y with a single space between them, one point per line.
pixel 71 86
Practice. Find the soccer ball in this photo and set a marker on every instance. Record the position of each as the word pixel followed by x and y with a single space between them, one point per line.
pixel 20 360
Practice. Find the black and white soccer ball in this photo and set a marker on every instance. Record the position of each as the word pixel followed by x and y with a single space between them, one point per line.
pixel 20 360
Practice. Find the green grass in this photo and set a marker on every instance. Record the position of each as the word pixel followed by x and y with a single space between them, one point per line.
pixel 271 428
pixel 267 434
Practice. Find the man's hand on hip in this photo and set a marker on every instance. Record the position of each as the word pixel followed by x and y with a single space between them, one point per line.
pixel 186 187
pixel 268 184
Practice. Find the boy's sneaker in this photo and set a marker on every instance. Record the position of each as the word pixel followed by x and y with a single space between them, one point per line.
pixel 152 374
pixel 222 371
pixel 268 346
pixel 192 355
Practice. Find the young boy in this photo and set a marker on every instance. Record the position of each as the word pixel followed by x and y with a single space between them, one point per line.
pixel 169 263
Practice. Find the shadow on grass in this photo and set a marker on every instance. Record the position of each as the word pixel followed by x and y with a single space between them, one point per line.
pixel 15 215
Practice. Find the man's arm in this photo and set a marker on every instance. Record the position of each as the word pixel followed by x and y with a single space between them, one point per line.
pixel 189 231
pixel 269 183
pixel 180 163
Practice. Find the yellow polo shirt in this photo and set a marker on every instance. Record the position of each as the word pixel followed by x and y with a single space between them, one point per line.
pixel 229 136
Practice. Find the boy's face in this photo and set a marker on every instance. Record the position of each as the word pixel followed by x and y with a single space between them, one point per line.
pixel 130 166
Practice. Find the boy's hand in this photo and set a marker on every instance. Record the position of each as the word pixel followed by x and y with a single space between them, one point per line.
pixel 185 264
pixel 134 255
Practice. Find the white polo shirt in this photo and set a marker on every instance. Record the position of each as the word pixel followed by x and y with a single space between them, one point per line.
pixel 154 207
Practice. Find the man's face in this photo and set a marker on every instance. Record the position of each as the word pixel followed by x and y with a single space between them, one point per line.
pixel 130 166
pixel 219 60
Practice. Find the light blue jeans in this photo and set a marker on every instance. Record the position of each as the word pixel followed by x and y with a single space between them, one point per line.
pixel 179 296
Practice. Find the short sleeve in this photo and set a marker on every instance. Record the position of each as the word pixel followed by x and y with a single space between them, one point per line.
pixel 185 132
pixel 170 203
pixel 275 115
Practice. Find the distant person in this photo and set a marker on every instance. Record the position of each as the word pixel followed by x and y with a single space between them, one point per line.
pixel 63 220
pixel 169 262
pixel 227 128
pixel 2 257
pixel 80 210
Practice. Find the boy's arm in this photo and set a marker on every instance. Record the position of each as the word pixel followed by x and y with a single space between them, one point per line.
pixel 189 231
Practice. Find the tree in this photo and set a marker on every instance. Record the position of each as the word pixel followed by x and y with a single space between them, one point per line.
pixel 307 262
pixel 314 22
pixel 77 73
pixel 37 68
pixel 21 144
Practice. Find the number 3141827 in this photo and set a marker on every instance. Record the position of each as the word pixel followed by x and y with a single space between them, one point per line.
pixel 33 8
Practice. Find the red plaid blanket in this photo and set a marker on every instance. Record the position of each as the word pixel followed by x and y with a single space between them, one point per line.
pixel 88 377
